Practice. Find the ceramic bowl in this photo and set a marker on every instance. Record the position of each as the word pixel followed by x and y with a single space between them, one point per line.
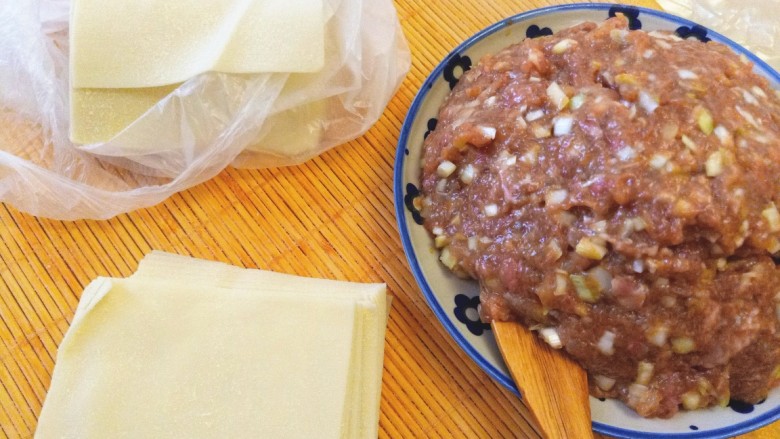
pixel 454 301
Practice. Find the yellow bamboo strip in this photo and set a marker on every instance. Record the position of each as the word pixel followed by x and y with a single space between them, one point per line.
pixel 269 237
pixel 20 422
pixel 331 217
pixel 24 323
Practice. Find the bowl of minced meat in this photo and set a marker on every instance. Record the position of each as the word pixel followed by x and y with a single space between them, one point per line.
pixel 618 191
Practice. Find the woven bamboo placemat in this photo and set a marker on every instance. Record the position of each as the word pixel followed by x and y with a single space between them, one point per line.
pixel 331 217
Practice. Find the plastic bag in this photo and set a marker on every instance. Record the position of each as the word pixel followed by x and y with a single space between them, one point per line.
pixel 754 24
pixel 208 123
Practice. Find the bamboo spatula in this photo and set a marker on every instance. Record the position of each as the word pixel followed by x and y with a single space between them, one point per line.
pixel 553 387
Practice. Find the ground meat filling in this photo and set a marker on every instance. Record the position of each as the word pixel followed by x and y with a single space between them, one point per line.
pixel 620 188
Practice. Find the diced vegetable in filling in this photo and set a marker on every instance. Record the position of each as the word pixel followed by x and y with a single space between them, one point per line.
pixel 619 191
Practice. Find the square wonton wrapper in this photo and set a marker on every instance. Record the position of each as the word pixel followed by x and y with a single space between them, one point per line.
pixel 188 348
pixel 126 55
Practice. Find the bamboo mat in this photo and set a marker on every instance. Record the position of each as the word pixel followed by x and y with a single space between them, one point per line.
pixel 331 217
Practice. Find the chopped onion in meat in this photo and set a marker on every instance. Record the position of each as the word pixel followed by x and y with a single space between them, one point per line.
pixel 554 250
pixel 722 133
pixel 587 289
pixel 704 120
pixel 551 336
pixel 644 372
pixel 683 345
pixel 606 344
pixel 604 383
pixel 561 282
pixel 626 153
pixel 772 217
pixel 563 45
pixel 687 74
pixel 557 96
pixel 758 92
pixel 691 400
pixel 602 278
pixel 657 335
pixel 690 144
pixel 563 126
pixel 658 161
pixel 591 248
pixel 534 115
pixel 636 394
pixel 618 35
pixel 467 174
pixel 447 258
pixel 714 164
pixel 541 131
pixel 577 101
pixel 647 102
pixel 445 169
pixel 556 197
pixel 488 133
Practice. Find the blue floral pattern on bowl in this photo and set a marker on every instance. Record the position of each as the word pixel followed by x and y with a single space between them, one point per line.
pixel 467 312
pixel 454 301
pixel 431 126
pixel 535 31
pixel 410 201
pixel 631 13
pixel 456 66
pixel 695 31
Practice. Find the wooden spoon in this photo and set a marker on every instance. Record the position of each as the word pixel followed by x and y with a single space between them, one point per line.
pixel 553 386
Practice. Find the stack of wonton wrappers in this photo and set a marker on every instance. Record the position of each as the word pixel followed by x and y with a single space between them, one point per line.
pixel 158 96
pixel 192 348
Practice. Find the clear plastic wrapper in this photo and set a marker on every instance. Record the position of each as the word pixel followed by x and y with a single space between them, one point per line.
pixel 211 121
pixel 754 24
